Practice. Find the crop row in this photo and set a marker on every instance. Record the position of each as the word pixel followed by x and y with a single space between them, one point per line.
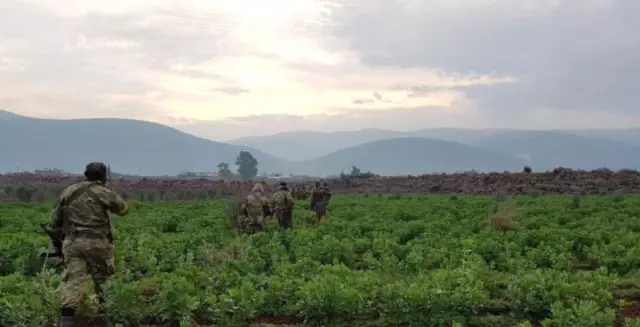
pixel 378 261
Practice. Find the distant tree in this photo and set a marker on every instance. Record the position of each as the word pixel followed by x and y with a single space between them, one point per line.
pixel 247 165
pixel 357 173
pixel 527 169
pixel 224 171
pixel 24 194
pixel 345 179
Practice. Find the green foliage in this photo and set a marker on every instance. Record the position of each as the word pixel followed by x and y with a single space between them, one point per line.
pixel 420 261
pixel 224 171
pixel 247 165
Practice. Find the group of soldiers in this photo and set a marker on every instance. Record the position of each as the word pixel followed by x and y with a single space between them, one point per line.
pixel 81 233
pixel 257 208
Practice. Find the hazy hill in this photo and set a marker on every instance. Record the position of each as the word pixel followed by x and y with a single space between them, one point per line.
pixel 9 115
pixel 402 156
pixel 630 136
pixel 147 148
pixel 311 145
pixel 127 145
pixel 547 150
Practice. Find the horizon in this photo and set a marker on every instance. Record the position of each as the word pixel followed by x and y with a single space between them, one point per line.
pixel 344 131
pixel 225 70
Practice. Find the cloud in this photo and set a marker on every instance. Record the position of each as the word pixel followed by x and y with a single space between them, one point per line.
pixel 201 59
pixel 232 90
pixel 333 64
pixel 574 55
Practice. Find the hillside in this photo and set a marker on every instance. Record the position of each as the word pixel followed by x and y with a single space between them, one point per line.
pixel 130 146
pixel 9 115
pixel 312 145
pixel 403 156
pixel 304 145
pixel 300 146
pixel 630 136
pixel 548 150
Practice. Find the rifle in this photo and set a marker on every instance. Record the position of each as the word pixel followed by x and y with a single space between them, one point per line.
pixel 108 177
pixel 47 255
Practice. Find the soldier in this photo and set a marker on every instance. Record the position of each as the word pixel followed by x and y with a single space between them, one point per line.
pixel 283 206
pixel 316 196
pixel 81 219
pixel 326 197
pixel 256 208
pixel 320 200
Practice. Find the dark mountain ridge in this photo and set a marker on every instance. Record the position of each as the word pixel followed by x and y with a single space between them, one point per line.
pixel 131 146
pixel 413 156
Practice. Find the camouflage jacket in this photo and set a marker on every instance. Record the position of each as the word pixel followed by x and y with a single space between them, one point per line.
pixel 326 194
pixel 257 205
pixel 316 197
pixel 84 208
pixel 282 199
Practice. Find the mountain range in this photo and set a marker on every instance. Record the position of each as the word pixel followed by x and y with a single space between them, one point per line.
pixel 144 148
pixel 129 146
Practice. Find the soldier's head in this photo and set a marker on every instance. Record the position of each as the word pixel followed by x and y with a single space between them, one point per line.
pixel 96 172
pixel 283 185
pixel 317 184
pixel 258 188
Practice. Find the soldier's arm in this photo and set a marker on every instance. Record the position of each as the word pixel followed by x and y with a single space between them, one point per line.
pixel 54 226
pixel 266 207
pixel 116 204
pixel 244 208
pixel 290 199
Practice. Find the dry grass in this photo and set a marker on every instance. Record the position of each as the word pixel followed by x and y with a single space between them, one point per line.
pixel 503 219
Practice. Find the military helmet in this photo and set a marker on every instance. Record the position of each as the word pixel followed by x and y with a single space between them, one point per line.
pixel 95 171
pixel 283 184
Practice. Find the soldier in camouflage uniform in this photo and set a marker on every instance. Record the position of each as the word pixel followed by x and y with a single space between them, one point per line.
pixel 256 207
pixel 320 197
pixel 81 219
pixel 283 206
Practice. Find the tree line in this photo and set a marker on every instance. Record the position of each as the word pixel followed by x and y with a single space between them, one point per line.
pixel 247 167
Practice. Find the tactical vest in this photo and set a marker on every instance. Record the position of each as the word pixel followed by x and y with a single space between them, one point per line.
pixel 71 229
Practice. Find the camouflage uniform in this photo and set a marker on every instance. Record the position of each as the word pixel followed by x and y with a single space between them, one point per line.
pixel 256 207
pixel 283 206
pixel 320 200
pixel 81 218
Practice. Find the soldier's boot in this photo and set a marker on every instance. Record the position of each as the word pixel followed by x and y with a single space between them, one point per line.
pixel 66 317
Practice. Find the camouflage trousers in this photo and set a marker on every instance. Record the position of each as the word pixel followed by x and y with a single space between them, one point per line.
pixel 254 224
pixel 321 211
pixel 84 256
pixel 284 217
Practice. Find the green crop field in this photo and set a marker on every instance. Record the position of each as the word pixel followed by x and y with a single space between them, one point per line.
pixel 378 261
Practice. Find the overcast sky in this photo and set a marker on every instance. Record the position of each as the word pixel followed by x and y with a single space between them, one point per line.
pixel 230 68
